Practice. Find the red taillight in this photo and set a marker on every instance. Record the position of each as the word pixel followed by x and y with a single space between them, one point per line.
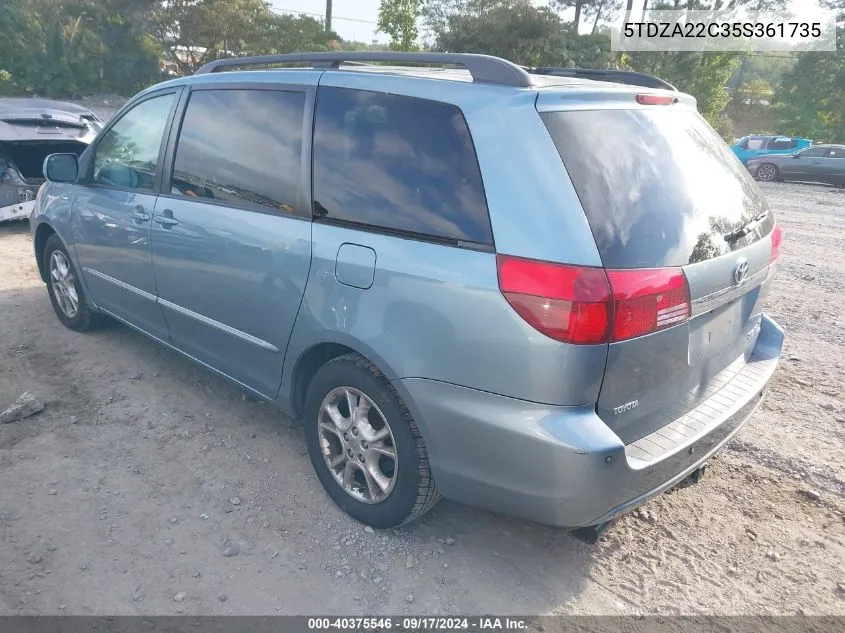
pixel 647 99
pixel 582 305
pixel 777 238
pixel 566 303
pixel 647 300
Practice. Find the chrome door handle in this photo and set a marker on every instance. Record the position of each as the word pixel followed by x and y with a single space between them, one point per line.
pixel 139 214
pixel 167 220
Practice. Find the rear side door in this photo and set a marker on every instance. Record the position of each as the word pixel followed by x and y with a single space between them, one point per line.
pixel 686 237
pixel 113 209
pixel 231 233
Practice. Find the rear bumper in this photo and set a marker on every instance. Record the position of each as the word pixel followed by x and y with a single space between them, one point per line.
pixel 562 465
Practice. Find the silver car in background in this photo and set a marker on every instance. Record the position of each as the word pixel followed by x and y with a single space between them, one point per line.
pixel 819 163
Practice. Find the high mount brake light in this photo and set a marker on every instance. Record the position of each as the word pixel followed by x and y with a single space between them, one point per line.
pixel 647 99
pixel 583 305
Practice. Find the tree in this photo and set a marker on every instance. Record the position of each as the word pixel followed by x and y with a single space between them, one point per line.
pixel 194 32
pixel 568 4
pixel 516 30
pixel 599 10
pixel 62 47
pixel 398 19
pixel 595 10
pixel 812 94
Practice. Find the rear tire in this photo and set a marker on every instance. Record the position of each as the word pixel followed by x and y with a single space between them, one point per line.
pixel 768 172
pixel 348 402
pixel 65 288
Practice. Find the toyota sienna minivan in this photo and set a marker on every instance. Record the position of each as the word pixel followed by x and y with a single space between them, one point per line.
pixel 540 295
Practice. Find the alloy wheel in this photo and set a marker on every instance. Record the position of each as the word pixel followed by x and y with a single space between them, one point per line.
pixel 357 445
pixel 63 282
pixel 767 172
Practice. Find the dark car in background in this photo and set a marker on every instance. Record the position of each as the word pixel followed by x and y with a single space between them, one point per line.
pixel 30 130
pixel 820 163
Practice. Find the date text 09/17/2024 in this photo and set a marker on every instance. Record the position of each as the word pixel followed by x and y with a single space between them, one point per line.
pixel 418 623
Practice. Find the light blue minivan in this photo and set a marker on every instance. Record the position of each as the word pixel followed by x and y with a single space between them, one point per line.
pixel 508 289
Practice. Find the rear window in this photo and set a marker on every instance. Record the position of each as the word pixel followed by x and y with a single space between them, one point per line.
pixel 659 187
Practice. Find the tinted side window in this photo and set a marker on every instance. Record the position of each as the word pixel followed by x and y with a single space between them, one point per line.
pixel 837 153
pixel 241 147
pixel 397 163
pixel 782 144
pixel 815 152
pixel 127 154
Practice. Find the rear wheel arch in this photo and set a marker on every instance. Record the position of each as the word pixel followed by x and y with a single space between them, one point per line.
pixel 306 367
pixel 315 356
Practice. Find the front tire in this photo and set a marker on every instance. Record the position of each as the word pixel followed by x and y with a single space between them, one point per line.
pixel 768 172
pixel 65 288
pixel 364 445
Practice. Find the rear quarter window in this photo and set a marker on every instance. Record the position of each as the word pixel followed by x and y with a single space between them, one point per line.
pixel 397 163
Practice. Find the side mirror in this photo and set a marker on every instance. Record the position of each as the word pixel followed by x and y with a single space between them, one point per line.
pixel 61 168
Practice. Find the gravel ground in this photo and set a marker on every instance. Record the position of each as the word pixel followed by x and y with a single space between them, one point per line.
pixel 149 486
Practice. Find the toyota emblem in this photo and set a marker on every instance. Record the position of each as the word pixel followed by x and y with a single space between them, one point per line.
pixel 740 270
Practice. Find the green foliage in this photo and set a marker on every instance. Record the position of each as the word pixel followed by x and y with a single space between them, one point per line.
pixel 195 32
pixel 70 46
pixel 398 19
pixel 812 95
pixel 66 47
pixel 516 30
pixel 703 75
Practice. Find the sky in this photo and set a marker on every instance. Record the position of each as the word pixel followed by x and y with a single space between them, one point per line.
pixel 360 16
pixel 356 19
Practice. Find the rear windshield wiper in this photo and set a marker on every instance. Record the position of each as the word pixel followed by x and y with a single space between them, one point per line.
pixel 745 228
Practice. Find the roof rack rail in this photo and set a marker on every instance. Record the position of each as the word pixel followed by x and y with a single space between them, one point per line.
pixel 617 76
pixel 483 68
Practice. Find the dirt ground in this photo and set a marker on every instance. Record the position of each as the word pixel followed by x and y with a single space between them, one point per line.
pixel 149 486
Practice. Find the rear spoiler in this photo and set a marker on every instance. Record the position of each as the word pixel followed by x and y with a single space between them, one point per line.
pixel 617 76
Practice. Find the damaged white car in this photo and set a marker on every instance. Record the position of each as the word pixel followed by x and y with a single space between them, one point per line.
pixel 30 130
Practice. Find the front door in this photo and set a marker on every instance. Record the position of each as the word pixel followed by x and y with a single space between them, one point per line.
pixel 112 213
pixel 231 233
pixel 805 164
